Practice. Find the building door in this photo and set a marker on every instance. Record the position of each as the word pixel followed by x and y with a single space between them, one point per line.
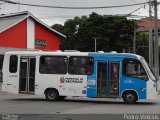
pixel 107 79
pixel 27 75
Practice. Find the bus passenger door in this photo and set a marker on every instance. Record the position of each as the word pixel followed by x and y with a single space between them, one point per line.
pixel 32 68
pixel 101 78
pixel 113 79
pixel 27 75
pixel 107 79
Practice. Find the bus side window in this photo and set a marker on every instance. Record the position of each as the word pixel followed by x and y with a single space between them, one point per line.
pixel 53 65
pixel 133 68
pixel 13 64
pixel 80 65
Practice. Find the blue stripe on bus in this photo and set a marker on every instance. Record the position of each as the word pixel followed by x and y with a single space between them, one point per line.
pixel 135 84
pixel 91 83
pixel 126 83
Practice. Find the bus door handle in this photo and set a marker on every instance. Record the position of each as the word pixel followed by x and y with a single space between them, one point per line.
pixel 36 85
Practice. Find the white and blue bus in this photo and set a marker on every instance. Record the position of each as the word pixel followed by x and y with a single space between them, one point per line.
pixel 89 74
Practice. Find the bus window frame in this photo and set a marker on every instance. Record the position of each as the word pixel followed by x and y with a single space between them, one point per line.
pixel 53 56
pixel 127 75
pixel 15 69
pixel 1 67
pixel 149 70
pixel 92 71
pixel 2 60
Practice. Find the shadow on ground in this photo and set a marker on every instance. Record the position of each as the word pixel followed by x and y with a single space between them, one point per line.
pixel 79 101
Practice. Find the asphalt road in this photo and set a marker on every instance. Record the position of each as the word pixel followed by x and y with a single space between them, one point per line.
pixel 34 104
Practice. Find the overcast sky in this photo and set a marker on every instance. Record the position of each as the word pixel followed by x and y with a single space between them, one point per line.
pixel 51 16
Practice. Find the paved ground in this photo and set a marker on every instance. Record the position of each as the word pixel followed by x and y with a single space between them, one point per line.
pixel 33 104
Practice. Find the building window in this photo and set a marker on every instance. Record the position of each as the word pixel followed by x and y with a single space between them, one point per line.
pixel 80 65
pixel 53 65
pixel 40 43
pixel 133 68
pixel 13 64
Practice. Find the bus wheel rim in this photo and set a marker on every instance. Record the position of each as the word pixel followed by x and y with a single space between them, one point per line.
pixel 130 97
pixel 51 95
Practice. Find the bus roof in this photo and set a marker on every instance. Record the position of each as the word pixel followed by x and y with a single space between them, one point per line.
pixel 60 53
pixel 109 54
pixel 37 53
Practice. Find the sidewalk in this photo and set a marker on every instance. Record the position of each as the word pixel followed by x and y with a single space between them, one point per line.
pixel 1 92
pixel 0 86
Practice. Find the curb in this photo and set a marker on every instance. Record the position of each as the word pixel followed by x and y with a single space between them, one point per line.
pixel 3 93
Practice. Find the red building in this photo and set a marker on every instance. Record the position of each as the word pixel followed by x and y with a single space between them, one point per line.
pixel 143 26
pixel 23 30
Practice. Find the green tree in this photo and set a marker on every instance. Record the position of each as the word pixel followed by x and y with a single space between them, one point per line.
pixel 111 32
pixel 142 43
pixel 142 39
pixel 58 27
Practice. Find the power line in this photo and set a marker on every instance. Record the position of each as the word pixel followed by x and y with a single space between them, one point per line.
pixel 62 7
pixel 52 16
pixel 68 16
pixel 135 10
pixel 62 17
pixel 141 5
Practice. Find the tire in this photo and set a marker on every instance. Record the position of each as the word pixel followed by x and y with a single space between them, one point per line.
pixel 130 98
pixel 52 95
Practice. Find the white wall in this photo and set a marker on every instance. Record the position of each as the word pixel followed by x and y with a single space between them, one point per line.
pixel 30 33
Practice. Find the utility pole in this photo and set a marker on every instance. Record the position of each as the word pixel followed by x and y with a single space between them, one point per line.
pixel 134 38
pixel 156 50
pixel 95 43
pixel 150 36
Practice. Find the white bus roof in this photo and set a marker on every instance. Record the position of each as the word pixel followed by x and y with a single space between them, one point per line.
pixel 77 53
pixel 46 53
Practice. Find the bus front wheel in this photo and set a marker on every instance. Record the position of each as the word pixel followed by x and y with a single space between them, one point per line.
pixel 52 95
pixel 130 97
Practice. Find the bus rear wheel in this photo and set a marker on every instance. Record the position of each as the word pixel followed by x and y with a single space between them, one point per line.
pixel 52 95
pixel 130 98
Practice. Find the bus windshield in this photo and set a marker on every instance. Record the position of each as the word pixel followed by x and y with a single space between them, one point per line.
pixel 148 69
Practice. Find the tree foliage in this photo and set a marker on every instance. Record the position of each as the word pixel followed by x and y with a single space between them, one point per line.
pixel 142 39
pixel 142 43
pixel 113 33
